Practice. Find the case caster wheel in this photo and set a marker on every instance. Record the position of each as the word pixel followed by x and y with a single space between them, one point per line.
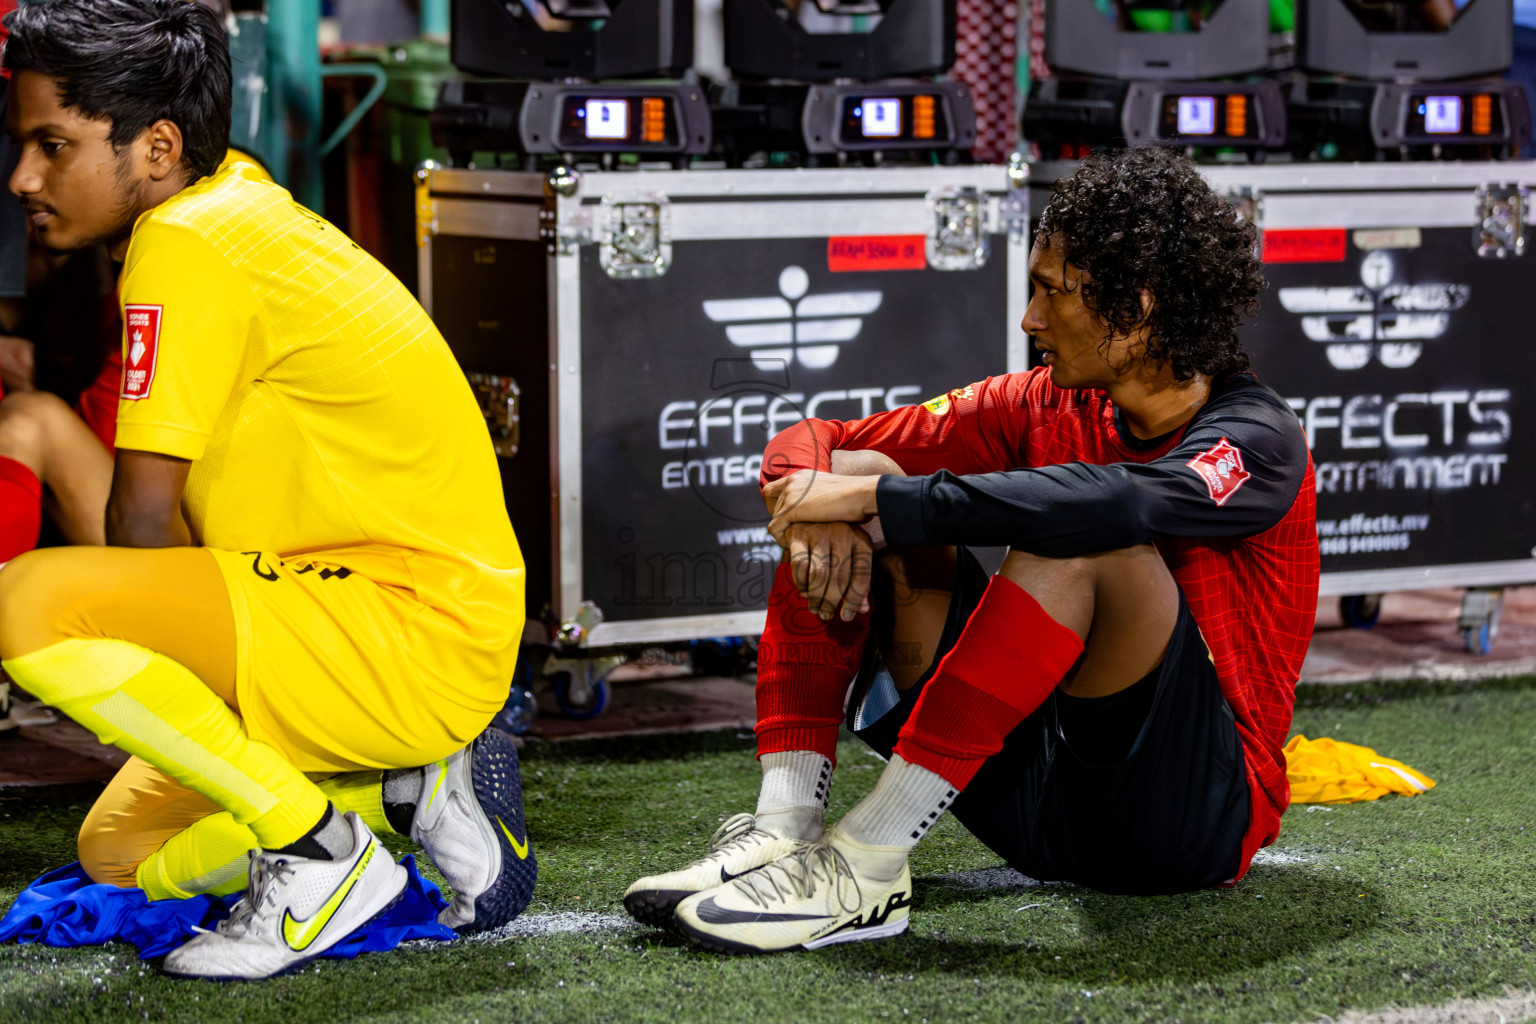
pixel 517 715
pixel 1360 611
pixel 1479 622
pixel 729 656
pixel 580 699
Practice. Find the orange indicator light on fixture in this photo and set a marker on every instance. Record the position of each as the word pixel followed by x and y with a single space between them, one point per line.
pixel 1482 115
pixel 653 119
pixel 1237 115
pixel 922 117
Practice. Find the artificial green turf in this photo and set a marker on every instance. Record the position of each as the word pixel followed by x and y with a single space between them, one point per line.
pixel 1405 901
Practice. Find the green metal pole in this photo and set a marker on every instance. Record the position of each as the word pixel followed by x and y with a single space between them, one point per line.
pixel 293 47
pixel 254 125
pixel 434 19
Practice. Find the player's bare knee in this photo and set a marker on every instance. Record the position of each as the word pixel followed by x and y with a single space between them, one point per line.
pixel 864 463
pixel 23 428
pixel 1030 571
pixel 1125 565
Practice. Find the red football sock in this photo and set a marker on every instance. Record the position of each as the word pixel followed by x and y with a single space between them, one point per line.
pixel 21 509
pixel 1009 658
pixel 804 667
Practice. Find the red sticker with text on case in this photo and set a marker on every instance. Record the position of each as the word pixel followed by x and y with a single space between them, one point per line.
pixel 877 252
pixel 1221 467
pixel 1307 245
pixel 142 327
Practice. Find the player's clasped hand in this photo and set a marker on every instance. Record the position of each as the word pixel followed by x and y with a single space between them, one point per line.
pixel 809 496
pixel 816 517
pixel 831 564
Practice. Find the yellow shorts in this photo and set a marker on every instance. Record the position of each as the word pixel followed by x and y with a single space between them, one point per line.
pixel 343 674
pixel 334 670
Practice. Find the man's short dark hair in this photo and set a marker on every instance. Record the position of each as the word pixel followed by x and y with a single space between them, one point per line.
pixel 133 62
pixel 1145 218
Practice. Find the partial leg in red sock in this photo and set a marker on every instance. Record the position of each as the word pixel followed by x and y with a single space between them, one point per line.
pixel 804 668
pixel 1009 658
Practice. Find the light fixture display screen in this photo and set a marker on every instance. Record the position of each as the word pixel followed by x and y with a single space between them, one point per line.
pixel 1442 114
pixel 1197 115
pixel 882 118
pixel 607 119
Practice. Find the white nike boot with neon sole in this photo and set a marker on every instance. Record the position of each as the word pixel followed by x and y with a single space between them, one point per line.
pixel 469 818
pixel 737 847
pixel 832 891
pixel 294 910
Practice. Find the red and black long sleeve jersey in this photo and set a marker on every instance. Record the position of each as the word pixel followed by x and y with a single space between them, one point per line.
pixel 1228 499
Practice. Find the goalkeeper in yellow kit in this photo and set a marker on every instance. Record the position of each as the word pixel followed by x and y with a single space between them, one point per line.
pixel 310 572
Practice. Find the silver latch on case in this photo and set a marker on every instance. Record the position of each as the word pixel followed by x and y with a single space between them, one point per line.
pixel 957 238
pixel 1500 228
pixel 1013 209
pixel 636 240
pixel 564 226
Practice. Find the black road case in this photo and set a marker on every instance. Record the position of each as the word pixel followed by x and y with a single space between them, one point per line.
pixel 637 337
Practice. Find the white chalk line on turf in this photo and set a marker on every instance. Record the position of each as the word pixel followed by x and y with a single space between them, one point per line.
pixel 538 926
pixel 1280 857
pixel 560 922
pixel 991 880
pixel 563 922
pixel 1515 1008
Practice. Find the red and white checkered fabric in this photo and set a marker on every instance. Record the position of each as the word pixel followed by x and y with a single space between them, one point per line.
pixel 1038 68
pixel 986 47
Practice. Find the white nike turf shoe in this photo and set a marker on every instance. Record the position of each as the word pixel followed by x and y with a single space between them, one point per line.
pixel 294 910
pixel 469 819
pixel 817 896
pixel 737 847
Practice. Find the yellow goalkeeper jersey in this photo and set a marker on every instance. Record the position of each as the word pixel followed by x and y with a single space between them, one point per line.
pixel 325 416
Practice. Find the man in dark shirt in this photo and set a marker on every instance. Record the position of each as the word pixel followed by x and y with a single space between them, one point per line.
pixel 1109 708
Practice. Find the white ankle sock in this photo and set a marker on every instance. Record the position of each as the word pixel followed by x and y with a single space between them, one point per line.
pixel 905 803
pixel 794 794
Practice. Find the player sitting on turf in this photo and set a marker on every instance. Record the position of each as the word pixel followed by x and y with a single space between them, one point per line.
pixel 311 568
pixel 55 456
pixel 1109 708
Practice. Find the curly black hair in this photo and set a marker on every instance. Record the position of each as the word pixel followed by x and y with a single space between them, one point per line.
pixel 1144 218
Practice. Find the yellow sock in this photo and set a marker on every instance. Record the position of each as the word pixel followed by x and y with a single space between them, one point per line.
pixel 361 793
pixel 152 706
pixel 212 856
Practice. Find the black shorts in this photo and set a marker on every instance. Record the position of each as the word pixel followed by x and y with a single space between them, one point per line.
pixel 1165 812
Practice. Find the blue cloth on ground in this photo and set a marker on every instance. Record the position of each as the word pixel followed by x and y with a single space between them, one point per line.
pixel 65 908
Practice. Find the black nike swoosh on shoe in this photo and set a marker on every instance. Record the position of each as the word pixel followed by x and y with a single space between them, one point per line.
pixel 711 912
pixel 726 876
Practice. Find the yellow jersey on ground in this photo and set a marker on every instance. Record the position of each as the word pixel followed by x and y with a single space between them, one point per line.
pixel 325 416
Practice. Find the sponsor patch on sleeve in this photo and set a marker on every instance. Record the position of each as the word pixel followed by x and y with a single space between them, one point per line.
pixel 142 326
pixel 940 405
pixel 1221 467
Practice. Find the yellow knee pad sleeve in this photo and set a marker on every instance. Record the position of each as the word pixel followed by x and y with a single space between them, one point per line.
pixel 152 706
pixel 211 856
